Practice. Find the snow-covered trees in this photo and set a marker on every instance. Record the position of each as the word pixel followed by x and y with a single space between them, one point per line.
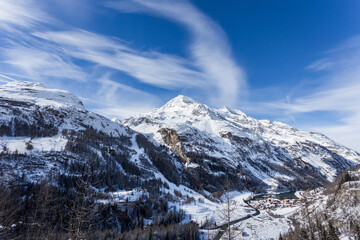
pixel 227 211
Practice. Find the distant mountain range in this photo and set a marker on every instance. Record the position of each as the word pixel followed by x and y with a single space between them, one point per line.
pixel 169 170
pixel 183 143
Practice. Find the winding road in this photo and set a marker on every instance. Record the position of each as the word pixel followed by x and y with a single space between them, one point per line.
pixel 224 226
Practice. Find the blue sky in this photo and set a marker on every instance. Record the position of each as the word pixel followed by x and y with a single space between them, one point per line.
pixel 293 61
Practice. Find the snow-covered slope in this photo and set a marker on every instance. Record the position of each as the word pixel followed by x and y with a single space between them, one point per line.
pixel 210 146
pixel 188 151
pixel 46 130
pixel 34 92
pixel 29 109
pixel 48 133
pixel 337 203
pixel 253 153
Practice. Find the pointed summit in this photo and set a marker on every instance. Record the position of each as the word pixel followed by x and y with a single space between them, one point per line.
pixel 179 101
pixel 183 99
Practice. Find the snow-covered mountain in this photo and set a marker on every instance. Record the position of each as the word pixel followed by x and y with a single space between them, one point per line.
pixel 59 159
pixel 47 132
pixel 254 154
pixel 183 142
pixel 183 153
pixel 29 109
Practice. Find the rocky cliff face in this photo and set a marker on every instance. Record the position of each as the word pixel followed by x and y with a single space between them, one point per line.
pixel 171 139
pixel 255 154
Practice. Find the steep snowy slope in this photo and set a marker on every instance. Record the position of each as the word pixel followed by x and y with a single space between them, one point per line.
pixel 47 132
pixel 254 154
pixel 59 159
pixel 50 130
pixel 29 109
pixel 336 204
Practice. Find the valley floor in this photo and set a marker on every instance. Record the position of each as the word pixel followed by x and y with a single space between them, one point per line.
pixel 269 224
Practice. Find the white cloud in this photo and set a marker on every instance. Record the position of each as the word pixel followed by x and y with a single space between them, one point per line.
pixel 339 94
pixel 6 79
pixel 158 69
pixel 34 50
pixel 22 54
pixel 40 63
pixel 123 112
pixel 346 133
pixel 209 47
pixel 20 13
pixel 118 100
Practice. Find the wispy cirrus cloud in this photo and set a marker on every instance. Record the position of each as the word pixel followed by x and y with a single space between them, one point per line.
pixel 151 67
pixel 44 49
pixel 6 79
pixel 40 63
pixel 21 14
pixel 32 51
pixel 21 53
pixel 338 94
pixel 209 47
pixel 122 100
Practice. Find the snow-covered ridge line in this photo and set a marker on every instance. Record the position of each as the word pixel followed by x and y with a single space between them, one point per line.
pixel 34 92
pixel 212 143
pixel 273 152
pixel 29 103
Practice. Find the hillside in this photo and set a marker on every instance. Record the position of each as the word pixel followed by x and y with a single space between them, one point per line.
pixel 330 212
pixel 258 155
pixel 63 167
pixel 67 172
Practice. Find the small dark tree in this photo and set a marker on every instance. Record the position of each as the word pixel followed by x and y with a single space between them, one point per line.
pixel 150 237
pixel 332 235
pixel 29 146
pixel 357 232
pixel 83 203
pixel 227 211
pixel 303 234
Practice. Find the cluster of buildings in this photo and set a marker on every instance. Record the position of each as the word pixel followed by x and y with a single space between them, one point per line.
pixel 273 203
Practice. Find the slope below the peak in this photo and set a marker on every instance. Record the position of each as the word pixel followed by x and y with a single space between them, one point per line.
pixel 274 155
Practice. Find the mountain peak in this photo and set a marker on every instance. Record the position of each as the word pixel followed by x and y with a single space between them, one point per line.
pixel 183 99
pixel 179 101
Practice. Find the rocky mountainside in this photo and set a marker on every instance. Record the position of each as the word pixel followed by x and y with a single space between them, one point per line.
pixel 47 132
pixel 68 173
pixel 330 211
pixel 166 167
pixel 254 154
pixel 183 143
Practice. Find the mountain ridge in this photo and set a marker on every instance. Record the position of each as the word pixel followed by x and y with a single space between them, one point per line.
pixel 206 145
pixel 184 154
pixel 219 133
